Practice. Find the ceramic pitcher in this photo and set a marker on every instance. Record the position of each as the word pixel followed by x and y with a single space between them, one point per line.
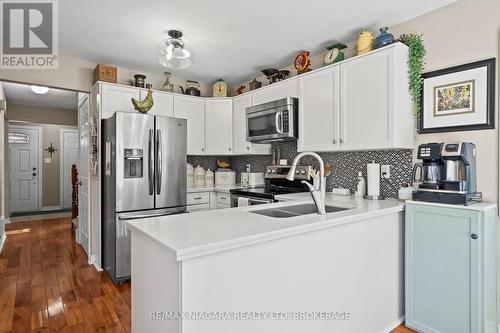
pixel 365 40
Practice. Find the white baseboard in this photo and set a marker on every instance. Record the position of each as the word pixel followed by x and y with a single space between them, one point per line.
pixel 2 241
pixel 94 261
pixel 392 326
pixel 48 208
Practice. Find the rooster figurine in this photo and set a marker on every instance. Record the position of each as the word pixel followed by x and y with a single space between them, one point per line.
pixel 145 105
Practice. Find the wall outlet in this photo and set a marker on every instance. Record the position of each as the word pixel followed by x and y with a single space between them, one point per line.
pixel 385 171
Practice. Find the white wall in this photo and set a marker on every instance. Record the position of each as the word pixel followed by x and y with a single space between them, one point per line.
pixel 463 32
pixel 78 74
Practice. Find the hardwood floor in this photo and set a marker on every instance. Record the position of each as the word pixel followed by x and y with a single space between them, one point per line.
pixel 46 284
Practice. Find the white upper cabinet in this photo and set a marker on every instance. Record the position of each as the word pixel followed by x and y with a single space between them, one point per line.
pixel 278 90
pixel 192 109
pixel 163 103
pixel 319 111
pixel 240 144
pixel 375 111
pixel 219 126
pixel 117 98
pixel 359 104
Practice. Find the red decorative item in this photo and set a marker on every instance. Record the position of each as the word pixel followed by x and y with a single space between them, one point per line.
pixel 239 91
pixel 302 62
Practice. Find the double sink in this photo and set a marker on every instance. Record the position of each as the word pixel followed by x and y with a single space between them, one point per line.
pixel 296 210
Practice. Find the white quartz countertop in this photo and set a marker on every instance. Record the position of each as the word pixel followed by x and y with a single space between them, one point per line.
pixel 216 188
pixel 201 233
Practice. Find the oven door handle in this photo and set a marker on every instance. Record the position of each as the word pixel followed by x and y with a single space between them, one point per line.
pixel 260 201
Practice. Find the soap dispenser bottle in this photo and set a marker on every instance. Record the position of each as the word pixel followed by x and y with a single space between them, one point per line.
pixel 361 187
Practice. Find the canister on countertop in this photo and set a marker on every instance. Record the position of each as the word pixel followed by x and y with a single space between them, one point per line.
pixel 209 178
pixel 199 176
pixel 190 175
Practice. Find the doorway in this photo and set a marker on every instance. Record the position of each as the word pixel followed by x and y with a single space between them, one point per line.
pixel 25 168
pixel 70 154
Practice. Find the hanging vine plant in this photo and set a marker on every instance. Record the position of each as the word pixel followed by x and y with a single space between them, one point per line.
pixel 415 67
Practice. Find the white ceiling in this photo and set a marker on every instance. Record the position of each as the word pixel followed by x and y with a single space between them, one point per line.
pixel 230 39
pixel 17 93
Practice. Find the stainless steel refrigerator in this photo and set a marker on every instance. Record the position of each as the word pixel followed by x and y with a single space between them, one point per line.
pixel 143 175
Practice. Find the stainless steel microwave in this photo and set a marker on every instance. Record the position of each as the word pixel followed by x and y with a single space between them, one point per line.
pixel 273 121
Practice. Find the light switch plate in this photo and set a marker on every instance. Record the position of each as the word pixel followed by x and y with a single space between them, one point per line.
pixel 385 171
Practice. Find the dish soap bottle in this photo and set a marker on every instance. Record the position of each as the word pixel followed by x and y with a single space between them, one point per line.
pixel 361 187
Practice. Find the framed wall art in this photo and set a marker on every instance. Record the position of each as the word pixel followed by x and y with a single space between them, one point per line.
pixel 460 98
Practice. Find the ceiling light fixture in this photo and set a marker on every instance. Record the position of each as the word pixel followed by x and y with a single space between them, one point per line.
pixel 173 53
pixel 39 90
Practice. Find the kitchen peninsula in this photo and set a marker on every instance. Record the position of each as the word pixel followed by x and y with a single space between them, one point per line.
pixel 347 264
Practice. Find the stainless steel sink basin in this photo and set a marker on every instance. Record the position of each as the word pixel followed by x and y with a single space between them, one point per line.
pixel 296 210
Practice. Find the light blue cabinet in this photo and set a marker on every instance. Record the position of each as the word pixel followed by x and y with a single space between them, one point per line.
pixel 450 268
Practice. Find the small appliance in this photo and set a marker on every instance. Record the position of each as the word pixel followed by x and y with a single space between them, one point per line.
pixel 273 121
pixel 275 184
pixel 447 173
pixel 249 179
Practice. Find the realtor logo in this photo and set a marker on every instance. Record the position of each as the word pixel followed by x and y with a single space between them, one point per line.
pixel 29 34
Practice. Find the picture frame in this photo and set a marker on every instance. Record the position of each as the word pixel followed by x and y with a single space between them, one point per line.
pixel 459 98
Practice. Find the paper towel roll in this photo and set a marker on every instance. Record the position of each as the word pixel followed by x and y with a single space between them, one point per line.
pixel 373 179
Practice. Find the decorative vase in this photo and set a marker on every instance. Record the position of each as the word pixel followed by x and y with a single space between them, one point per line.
pixel 365 40
pixel 383 39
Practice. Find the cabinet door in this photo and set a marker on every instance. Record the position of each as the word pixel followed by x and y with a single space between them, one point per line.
pixel 442 269
pixel 367 102
pixel 240 144
pixel 219 126
pixel 272 92
pixel 117 98
pixel 319 106
pixel 163 103
pixel 192 109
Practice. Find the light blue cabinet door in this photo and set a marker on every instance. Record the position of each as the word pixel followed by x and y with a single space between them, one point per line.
pixel 442 267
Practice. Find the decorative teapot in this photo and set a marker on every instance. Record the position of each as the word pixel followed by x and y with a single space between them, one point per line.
pixel 192 88
pixel 365 40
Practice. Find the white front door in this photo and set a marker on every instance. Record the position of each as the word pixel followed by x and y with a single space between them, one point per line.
pixel 83 175
pixel 24 147
pixel 70 155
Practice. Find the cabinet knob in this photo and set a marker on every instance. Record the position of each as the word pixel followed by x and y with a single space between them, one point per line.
pixel 229 149
pixel 202 149
pixel 473 236
pixel 248 148
pixel 341 140
pixel 334 141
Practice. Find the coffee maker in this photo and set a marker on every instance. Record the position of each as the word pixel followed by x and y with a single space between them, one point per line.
pixel 447 173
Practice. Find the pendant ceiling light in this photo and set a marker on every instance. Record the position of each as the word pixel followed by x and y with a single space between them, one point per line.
pixel 172 51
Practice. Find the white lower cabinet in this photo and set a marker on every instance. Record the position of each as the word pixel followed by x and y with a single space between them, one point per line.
pixel 192 109
pixel 219 126
pixel 240 144
pixel 197 208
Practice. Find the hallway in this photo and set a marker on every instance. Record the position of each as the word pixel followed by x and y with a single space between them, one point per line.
pixel 46 284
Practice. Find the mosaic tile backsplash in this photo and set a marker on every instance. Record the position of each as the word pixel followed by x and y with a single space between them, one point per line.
pixel 345 165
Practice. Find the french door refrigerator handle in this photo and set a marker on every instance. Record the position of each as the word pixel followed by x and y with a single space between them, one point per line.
pixel 150 163
pixel 159 161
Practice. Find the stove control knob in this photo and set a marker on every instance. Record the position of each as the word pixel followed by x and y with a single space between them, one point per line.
pixel 273 171
pixel 297 172
pixel 303 172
